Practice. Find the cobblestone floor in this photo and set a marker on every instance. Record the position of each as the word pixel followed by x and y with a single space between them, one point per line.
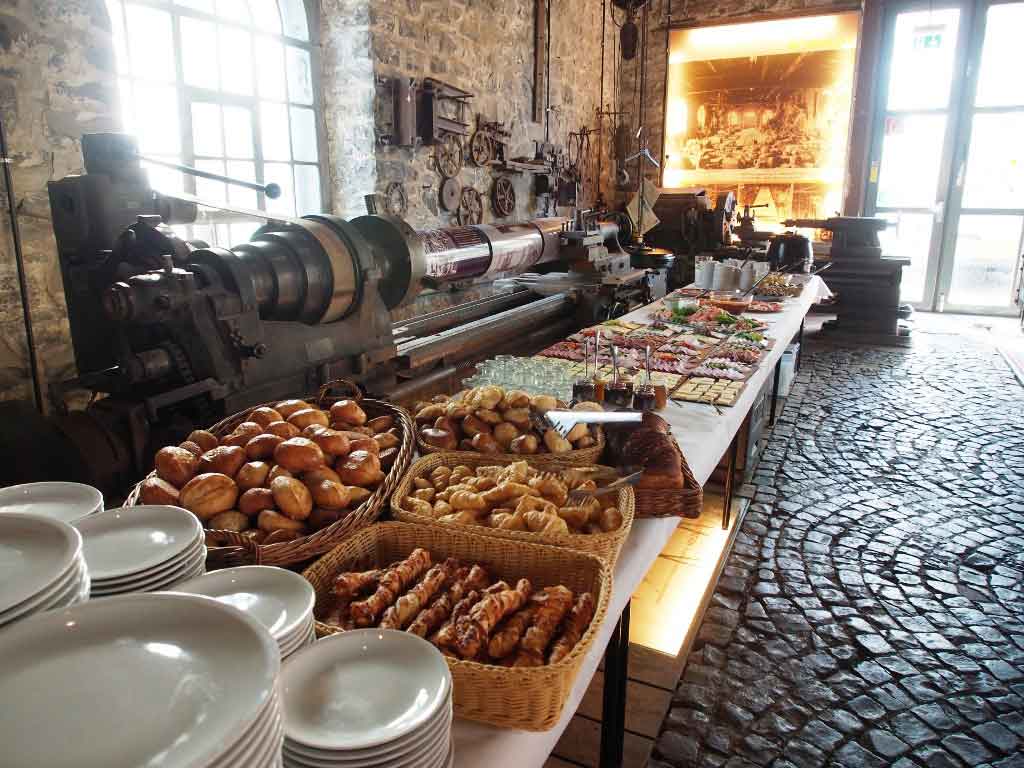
pixel 872 611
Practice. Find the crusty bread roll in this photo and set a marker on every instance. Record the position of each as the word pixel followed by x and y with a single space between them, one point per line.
pixel 349 412
pixel 192 448
pixel 271 521
pixel 232 520
pixel 175 465
pixel 253 474
pixel 292 498
pixel 287 407
pixel 265 416
pixel 359 468
pixel 155 490
pixel 208 494
pixel 329 495
pixel 255 500
pixel 300 454
pixel 318 474
pixel 277 471
pixel 381 424
pixel 262 446
pixel 308 416
pixel 225 460
pixel 205 440
pixel 283 429
pixel 243 433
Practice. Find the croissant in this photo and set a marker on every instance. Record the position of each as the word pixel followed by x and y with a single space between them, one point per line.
pixel 544 522
pixel 508 521
pixel 348 585
pixel 575 625
pixel 575 517
pixel 483 483
pixel 441 508
pixel 535 504
pixel 463 516
pixel 551 488
pixel 467 500
pixel 492 472
pixel 419 506
pixel 392 583
pixel 516 472
pixel 505 640
pixel 552 606
pixel 409 604
pixel 473 631
pixel 507 491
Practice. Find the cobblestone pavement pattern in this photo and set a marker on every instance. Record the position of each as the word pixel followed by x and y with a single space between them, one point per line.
pixel 872 611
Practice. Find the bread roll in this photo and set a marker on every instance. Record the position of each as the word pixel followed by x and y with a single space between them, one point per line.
pixel 192 448
pixel 320 473
pixel 349 412
pixel 308 416
pixel 504 433
pixel 525 444
pixel 485 443
pixel 543 403
pixel 265 416
pixel 283 429
pixel 209 494
pixel 155 490
pixel 359 468
pixel 363 444
pixel 471 426
pixel 255 500
pixel 381 424
pixel 555 442
pixel 300 454
pixel 329 495
pixel 514 398
pixel 357 495
pixel 331 441
pixel 262 446
pixel 287 407
pixel 271 521
pixel 577 432
pixel 232 520
pixel 225 460
pixel 253 474
pixel 386 440
pixel 175 465
pixel 488 417
pixel 277 471
pixel 518 416
pixel 243 433
pixel 457 410
pixel 205 440
pixel 439 438
pixel 430 414
pixel 292 498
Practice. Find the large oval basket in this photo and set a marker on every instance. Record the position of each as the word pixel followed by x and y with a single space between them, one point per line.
pixel 241 550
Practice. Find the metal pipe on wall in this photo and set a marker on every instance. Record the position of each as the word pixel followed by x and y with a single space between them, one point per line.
pixel 19 260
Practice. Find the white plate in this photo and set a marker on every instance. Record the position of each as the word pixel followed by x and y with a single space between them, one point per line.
pixel 204 668
pixel 357 758
pixel 429 753
pixel 128 540
pixel 187 557
pixel 257 747
pixel 162 583
pixel 300 639
pixel 35 552
pixel 280 600
pixel 60 501
pixel 451 755
pixel 362 688
pixel 72 575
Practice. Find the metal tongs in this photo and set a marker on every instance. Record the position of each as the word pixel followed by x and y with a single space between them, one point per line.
pixel 579 495
pixel 564 421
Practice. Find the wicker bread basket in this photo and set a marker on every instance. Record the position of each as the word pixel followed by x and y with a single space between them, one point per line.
pixel 526 698
pixel 553 462
pixel 241 550
pixel 604 545
pixel 672 502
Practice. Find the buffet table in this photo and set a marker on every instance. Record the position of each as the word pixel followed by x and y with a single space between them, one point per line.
pixel 705 436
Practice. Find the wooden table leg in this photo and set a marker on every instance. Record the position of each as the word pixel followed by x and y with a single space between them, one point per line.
pixel 613 704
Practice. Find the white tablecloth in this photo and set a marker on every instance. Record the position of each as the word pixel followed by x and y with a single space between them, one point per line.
pixel 704 437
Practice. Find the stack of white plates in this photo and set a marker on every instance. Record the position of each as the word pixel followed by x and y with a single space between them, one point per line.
pixel 369 697
pixel 142 549
pixel 61 501
pixel 280 600
pixel 41 567
pixel 140 680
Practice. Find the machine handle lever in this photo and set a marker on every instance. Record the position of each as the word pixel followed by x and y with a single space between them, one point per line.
pixel 273 191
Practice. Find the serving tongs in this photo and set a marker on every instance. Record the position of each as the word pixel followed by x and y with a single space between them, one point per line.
pixel 564 421
pixel 580 494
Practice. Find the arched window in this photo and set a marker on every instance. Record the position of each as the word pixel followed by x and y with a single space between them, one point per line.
pixel 226 86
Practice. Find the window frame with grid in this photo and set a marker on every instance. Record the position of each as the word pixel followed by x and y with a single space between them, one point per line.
pixel 287 88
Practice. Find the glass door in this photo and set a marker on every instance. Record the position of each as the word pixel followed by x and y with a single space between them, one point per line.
pixel 983 239
pixel 947 161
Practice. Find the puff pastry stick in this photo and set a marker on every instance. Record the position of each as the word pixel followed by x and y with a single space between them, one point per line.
pixel 391 584
pixel 552 605
pixel 575 625
pixel 446 635
pixel 505 640
pixel 348 585
pixel 430 618
pixel 473 631
pixel 409 604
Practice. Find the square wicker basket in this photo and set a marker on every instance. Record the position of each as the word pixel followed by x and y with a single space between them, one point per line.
pixel 527 698
pixel 604 545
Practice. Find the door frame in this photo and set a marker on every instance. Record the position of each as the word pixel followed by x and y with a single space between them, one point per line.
pixel 880 113
pixel 954 208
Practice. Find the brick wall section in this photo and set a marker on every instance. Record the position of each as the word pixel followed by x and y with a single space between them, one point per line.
pixel 486 47
pixel 56 83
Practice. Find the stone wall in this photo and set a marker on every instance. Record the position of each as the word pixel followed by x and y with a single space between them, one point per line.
pixel 693 12
pixel 486 47
pixel 56 83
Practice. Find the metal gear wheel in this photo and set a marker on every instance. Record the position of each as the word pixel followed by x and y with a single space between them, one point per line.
pixel 503 197
pixel 471 208
pixel 480 151
pixel 448 155
pixel 451 193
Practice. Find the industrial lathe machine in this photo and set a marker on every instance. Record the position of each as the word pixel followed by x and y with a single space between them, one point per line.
pixel 170 333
